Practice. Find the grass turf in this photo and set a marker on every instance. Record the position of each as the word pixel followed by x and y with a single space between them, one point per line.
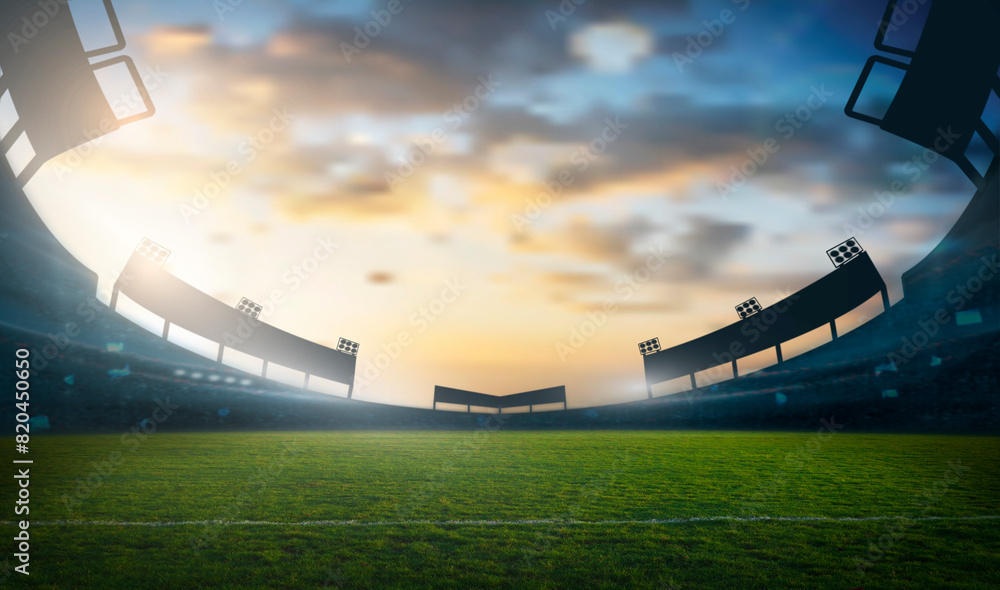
pixel 509 476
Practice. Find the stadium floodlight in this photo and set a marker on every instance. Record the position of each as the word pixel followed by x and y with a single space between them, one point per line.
pixel 844 252
pixel 249 307
pixel 946 85
pixel 347 347
pixel 153 251
pixel 649 346
pixel 748 308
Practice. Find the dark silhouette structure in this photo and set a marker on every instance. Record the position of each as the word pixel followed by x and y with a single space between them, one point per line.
pixel 820 303
pixel 52 83
pixel 178 303
pixel 947 83
pixel 939 105
pixel 551 395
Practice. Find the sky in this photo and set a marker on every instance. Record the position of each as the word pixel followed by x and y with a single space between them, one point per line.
pixel 501 196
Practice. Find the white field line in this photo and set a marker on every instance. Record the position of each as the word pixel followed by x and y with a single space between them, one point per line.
pixel 502 522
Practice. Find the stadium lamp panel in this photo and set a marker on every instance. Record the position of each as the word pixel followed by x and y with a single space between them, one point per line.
pixel 348 347
pixel 249 307
pixel 844 252
pixel 649 346
pixel 748 308
pixel 153 251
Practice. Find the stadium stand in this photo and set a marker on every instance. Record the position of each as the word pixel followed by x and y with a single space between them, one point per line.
pixel 936 350
pixel 448 395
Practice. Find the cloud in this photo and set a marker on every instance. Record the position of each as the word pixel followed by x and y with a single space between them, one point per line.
pixel 709 242
pixel 611 47
pixel 178 41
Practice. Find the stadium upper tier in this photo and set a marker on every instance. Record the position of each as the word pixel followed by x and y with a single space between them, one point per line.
pixel 820 303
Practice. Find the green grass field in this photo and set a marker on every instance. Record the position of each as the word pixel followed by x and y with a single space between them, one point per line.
pixel 527 510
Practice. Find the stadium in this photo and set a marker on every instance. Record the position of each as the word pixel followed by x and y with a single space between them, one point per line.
pixel 830 437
